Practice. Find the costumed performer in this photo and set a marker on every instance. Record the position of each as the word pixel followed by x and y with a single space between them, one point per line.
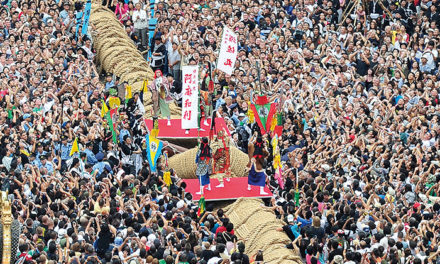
pixel 160 89
pixel 204 167
pixel 257 155
pixel 220 147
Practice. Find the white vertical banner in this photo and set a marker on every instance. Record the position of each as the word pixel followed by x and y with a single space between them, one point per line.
pixel 228 51
pixel 190 96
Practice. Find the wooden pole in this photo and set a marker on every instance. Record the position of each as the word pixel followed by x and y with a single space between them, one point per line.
pixel 385 9
pixel 348 13
pixel 6 220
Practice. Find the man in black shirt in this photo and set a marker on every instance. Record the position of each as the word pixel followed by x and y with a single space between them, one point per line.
pixel 207 253
pixel 362 61
pixel 247 22
pixel 175 89
pixel 336 250
pixel 240 255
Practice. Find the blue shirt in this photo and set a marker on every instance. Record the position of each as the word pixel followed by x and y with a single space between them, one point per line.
pixel 219 103
pixel 27 126
pixel 100 166
pixel 295 230
pixel 122 133
pixel 64 14
pixel 232 93
pixel 108 85
pixel 90 157
pixel 38 154
pixel 65 150
pixel 238 122
pixel 37 162
pixel 304 222
pixel 48 166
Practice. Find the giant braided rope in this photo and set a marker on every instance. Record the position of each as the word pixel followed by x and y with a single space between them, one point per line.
pixel 117 54
pixel 257 225
pixel 185 166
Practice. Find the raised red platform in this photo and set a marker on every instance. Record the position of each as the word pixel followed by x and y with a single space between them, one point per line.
pixel 176 131
pixel 233 190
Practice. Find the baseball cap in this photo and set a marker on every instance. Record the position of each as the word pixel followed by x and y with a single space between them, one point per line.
pixel 180 204
pixel 118 241
pixel 290 218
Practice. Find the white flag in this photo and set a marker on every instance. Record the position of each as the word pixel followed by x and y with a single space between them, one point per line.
pixel 228 51
pixel 190 96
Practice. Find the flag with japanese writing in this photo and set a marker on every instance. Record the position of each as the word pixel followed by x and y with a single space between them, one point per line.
pixel 190 96
pixel 228 51
pixel 87 11
pixel 201 206
pixel 154 150
pixel 264 112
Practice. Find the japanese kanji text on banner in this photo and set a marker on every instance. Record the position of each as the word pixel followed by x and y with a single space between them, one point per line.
pixel 228 51
pixel 190 95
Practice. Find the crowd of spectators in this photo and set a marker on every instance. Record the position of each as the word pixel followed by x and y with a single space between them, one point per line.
pixel 357 83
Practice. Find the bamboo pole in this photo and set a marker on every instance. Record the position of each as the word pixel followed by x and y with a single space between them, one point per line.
pixel 348 13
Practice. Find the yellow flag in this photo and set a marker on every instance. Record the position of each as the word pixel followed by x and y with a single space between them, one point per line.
pixel 145 86
pixel 274 145
pixel 167 178
pixel 277 161
pixel 75 147
pixel 250 114
pixel 128 94
pixel 114 102
pixel 104 108
pixel 273 124
pixel 276 152
pixel 155 131
pixel 25 152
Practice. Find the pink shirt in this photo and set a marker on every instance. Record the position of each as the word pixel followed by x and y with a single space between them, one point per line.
pixel 121 12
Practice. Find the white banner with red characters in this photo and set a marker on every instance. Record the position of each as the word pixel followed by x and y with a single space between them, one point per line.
pixel 190 96
pixel 228 51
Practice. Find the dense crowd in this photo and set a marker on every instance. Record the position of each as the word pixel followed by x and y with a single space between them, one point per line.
pixel 357 85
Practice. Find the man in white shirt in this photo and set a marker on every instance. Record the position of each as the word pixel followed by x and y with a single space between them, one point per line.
pixel 140 22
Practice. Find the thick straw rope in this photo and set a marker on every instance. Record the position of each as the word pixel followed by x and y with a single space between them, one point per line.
pixel 185 166
pixel 257 225
pixel 117 54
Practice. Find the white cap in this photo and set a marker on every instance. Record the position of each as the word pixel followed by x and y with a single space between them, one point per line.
pixel 325 167
pixel 180 204
pixel 62 232
pixel 290 218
